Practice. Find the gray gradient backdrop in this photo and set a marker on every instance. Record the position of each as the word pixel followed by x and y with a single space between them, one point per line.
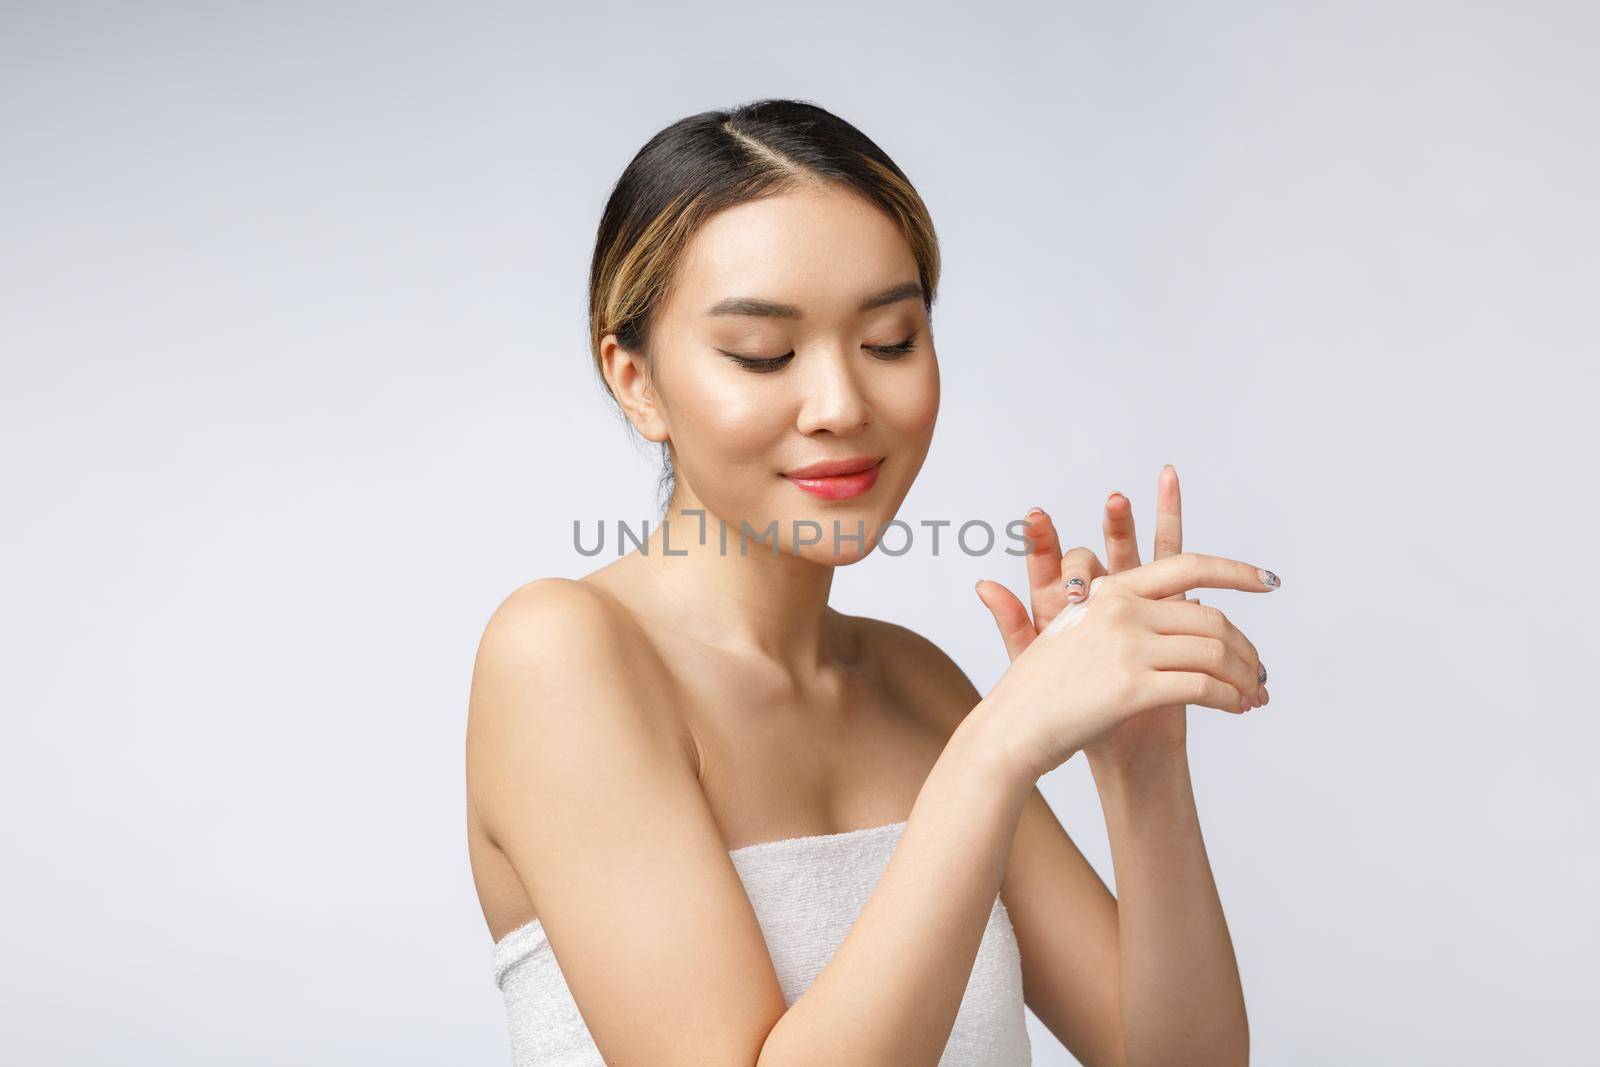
pixel 296 391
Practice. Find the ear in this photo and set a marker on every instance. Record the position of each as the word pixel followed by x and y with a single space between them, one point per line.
pixel 625 373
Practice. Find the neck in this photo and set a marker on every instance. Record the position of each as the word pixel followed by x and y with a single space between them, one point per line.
pixel 747 599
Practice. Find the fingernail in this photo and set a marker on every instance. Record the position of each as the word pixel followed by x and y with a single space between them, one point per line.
pixel 1169 467
pixel 1075 596
pixel 1266 697
pixel 1261 675
pixel 1261 696
pixel 1268 579
pixel 1244 705
pixel 1035 511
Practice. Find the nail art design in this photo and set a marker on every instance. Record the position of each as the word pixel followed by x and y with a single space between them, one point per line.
pixel 1261 678
pixel 1268 579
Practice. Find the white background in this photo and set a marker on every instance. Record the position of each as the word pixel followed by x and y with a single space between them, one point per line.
pixel 296 390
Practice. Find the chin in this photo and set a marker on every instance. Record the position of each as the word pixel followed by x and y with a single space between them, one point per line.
pixel 866 522
pixel 848 552
pixel 797 515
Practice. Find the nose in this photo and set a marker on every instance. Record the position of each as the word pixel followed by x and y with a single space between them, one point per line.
pixel 833 400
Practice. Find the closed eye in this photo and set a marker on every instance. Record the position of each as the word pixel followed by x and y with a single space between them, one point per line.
pixel 761 365
pixel 894 351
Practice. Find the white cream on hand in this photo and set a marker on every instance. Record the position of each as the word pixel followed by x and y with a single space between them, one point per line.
pixel 1070 616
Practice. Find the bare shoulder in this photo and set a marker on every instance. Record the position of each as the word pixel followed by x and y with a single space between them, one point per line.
pixel 559 646
pixel 557 611
pixel 927 680
pixel 569 628
pixel 582 778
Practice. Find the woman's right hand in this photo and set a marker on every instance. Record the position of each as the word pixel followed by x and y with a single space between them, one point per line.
pixel 1123 651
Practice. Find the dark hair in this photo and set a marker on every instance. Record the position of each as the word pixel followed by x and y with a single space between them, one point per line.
pixel 706 163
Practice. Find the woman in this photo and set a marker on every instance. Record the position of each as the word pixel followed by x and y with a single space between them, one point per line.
pixel 752 829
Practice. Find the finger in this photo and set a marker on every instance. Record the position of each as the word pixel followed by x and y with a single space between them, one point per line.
pixel 1195 687
pixel 1079 567
pixel 1122 548
pixel 1169 514
pixel 1261 672
pixel 1192 617
pixel 1191 570
pixel 1169 518
pixel 1044 568
pixel 1209 655
pixel 1016 629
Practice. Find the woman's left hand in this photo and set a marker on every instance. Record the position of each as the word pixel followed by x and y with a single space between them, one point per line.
pixel 1056 579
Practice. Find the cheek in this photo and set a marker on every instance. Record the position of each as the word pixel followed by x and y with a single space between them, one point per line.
pixel 724 421
pixel 911 404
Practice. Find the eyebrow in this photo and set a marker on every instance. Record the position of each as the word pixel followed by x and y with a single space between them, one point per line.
pixel 749 305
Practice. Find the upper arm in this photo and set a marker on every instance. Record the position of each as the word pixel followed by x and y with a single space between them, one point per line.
pixel 1064 916
pixel 584 780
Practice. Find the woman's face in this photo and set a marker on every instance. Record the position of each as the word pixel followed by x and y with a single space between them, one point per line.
pixel 796 335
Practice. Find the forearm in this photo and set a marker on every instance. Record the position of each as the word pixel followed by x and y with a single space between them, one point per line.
pixel 1182 1001
pixel 891 992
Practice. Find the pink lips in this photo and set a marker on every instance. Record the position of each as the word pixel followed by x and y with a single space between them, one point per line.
pixel 838 479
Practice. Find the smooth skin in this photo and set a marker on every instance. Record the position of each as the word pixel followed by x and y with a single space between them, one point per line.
pixel 626 729
pixel 1179 989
